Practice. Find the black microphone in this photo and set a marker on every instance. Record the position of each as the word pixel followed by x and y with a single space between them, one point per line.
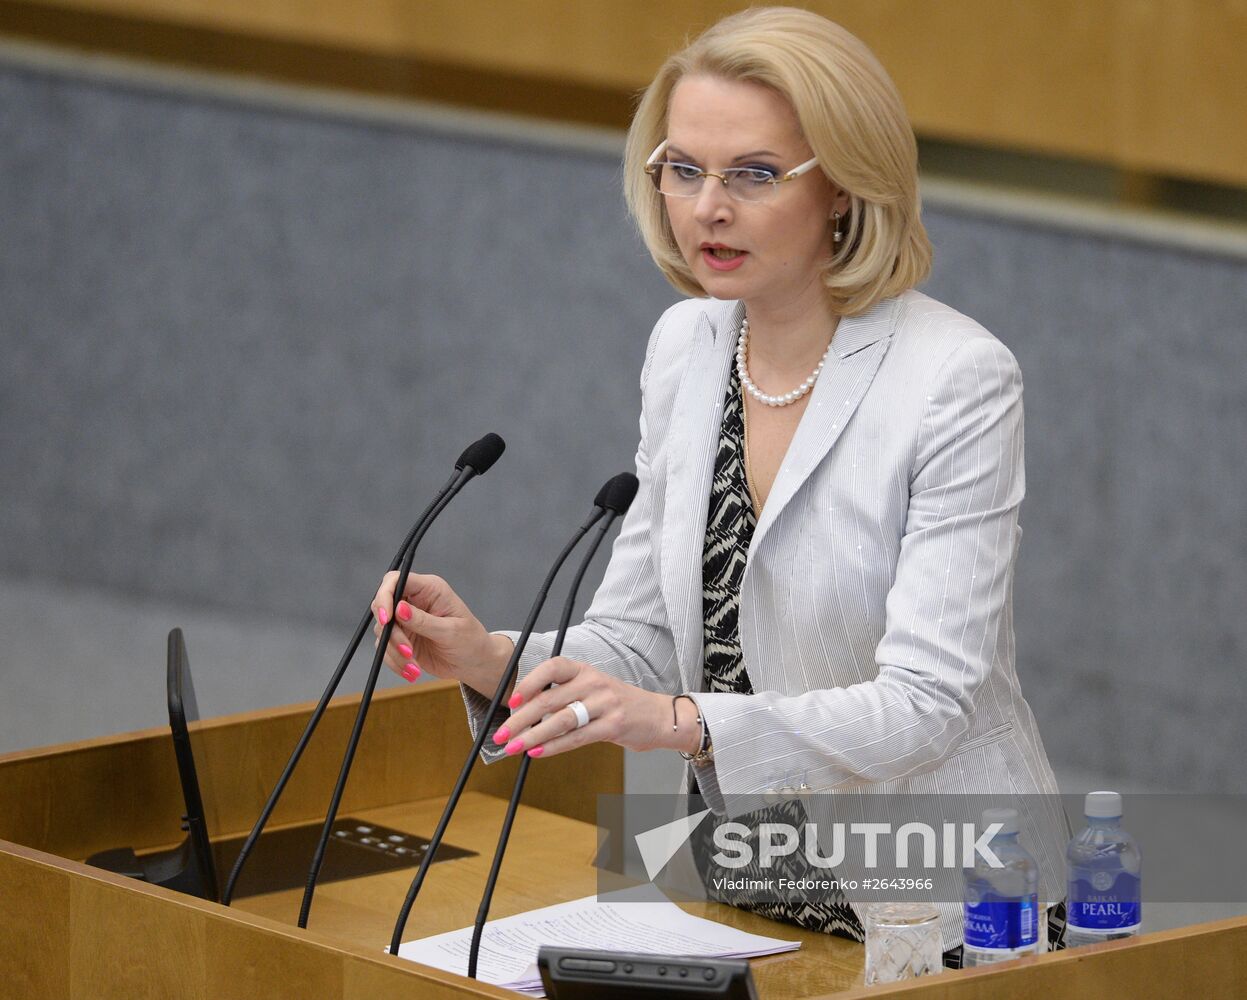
pixel 606 503
pixel 476 460
pixel 617 493
pixel 481 455
pixel 616 496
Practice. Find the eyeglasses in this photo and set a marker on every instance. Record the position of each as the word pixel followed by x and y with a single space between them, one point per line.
pixel 748 184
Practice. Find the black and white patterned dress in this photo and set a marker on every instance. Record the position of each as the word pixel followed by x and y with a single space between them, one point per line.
pixel 730 524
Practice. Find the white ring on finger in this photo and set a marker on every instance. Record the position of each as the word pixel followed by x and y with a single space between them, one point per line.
pixel 581 713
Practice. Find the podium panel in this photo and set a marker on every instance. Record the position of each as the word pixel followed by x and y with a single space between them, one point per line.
pixel 71 931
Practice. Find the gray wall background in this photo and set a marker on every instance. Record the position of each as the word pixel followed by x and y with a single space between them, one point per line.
pixel 244 342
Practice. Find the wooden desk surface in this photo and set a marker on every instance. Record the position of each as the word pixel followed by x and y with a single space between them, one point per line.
pixel 558 867
pixel 74 932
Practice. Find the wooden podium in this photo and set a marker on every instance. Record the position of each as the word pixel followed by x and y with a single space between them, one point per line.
pixel 68 930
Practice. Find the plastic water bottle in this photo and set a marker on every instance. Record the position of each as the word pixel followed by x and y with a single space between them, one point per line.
pixel 1105 870
pixel 1001 903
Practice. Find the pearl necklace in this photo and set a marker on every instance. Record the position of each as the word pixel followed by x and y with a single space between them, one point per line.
pixel 783 399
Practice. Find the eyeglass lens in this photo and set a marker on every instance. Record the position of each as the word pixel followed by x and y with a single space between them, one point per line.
pixel 682 180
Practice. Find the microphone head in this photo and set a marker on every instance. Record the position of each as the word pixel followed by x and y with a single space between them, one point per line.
pixel 481 455
pixel 617 494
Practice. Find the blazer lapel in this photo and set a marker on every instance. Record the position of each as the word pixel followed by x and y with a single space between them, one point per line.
pixel 692 445
pixel 856 350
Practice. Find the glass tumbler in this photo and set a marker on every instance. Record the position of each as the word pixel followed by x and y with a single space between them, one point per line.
pixel 903 941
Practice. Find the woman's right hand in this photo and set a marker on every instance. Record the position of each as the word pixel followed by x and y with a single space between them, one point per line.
pixel 435 631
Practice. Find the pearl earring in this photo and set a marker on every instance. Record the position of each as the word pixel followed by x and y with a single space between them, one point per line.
pixel 837 237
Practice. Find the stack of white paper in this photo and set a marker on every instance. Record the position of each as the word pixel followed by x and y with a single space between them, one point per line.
pixel 508 955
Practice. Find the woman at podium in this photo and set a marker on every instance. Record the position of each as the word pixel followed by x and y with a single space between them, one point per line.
pixel 812 590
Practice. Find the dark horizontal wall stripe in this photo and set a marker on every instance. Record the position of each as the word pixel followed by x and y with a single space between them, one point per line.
pixel 195 46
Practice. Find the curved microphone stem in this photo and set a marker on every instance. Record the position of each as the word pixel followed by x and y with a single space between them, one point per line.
pixel 508 675
pixel 504 835
pixel 325 698
pixel 366 699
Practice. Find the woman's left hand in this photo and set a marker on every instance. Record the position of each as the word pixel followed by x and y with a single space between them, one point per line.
pixel 542 724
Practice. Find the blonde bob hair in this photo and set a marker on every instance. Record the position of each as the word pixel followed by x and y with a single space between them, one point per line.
pixel 851 116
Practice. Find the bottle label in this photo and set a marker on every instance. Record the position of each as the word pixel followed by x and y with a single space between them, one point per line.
pixel 1105 903
pixel 1002 924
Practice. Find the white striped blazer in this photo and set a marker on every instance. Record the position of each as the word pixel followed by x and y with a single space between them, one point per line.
pixel 876 603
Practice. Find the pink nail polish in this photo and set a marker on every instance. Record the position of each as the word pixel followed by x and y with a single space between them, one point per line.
pixel 502 735
pixel 383 616
pixel 405 649
pixel 410 673
pixel 536 751
pixel 516 701
pixel 404 611
pixel 514 747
